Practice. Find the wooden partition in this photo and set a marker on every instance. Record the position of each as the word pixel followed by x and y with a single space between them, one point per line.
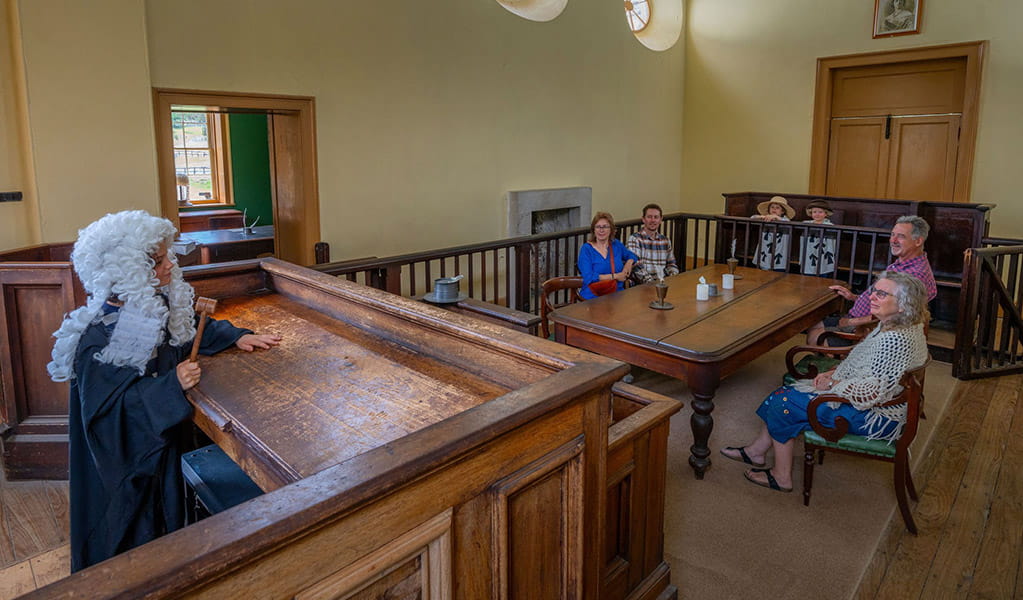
pixel 989 336
pixel 432 454
pixel 37 287
pixel 955 226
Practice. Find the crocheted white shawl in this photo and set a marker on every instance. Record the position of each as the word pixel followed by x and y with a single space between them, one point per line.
pixel 869 376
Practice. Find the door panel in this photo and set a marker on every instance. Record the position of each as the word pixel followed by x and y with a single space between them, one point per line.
pixel 923 158
pixel 857 158
pixel 286 158
pixel 911 88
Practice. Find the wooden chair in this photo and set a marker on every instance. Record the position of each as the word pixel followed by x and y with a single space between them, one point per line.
pixel 551 287
pixel 820 359
pixel 821 438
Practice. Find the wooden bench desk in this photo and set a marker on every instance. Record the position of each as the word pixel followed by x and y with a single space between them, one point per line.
pixel 407 448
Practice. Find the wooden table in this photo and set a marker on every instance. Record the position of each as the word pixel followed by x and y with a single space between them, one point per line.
pixel 220 245
pixel 700 342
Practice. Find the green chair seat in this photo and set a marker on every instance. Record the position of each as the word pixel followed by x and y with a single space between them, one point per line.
pixel 853 443
pixel 823 363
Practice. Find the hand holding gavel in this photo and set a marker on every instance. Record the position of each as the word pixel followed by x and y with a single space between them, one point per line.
pixel 205 307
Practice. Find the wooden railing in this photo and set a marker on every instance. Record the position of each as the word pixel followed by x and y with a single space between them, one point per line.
pixel 859 251
pixel 510 272
pixel 989 331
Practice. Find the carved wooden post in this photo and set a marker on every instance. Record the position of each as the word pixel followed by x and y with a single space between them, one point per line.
pixel 392 279
pixel 967 311
pixel 321 251
pixel 523 262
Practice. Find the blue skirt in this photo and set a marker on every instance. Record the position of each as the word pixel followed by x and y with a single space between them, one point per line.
pixel 784 413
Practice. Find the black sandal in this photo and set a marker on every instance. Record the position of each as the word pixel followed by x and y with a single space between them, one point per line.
pixel 771 482
pixel 743 457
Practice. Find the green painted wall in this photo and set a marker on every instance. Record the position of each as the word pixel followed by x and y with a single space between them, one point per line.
pixel 250 167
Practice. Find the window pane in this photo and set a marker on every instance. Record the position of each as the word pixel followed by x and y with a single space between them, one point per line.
pixel 198 162
pixel 196 135
pixel 180 166
pixel 200 187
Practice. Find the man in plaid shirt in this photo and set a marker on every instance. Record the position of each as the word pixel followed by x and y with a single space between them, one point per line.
pixel 656 258
pixel 907 246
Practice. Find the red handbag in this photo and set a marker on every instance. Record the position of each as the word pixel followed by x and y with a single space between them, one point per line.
pixel 606 286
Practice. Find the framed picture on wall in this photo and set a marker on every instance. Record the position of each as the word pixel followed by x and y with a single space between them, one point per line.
pixel 896 17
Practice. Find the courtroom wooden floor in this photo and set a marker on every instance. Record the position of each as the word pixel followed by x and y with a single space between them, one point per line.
pixel 970 513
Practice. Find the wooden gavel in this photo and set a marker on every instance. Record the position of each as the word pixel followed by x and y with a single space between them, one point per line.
pixel 205 307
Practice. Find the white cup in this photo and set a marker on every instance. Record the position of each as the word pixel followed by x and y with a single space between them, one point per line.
pixel 727 281
pixel 702 291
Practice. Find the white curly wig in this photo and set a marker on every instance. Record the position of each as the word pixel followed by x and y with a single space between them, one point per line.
pixel 113 259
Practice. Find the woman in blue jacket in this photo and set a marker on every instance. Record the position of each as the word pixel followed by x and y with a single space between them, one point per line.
pixel 595 257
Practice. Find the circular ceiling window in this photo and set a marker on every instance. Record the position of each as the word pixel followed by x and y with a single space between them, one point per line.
pixel 637 12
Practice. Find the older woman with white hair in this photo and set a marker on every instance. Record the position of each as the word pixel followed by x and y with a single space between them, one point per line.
pixel 868 377
pixel 126 355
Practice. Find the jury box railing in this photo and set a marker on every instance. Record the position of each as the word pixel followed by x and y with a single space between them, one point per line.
pixel 510 272
pixel 989 330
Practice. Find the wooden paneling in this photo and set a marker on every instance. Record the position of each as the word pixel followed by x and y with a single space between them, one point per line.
pixel 202 220
pixel 509 487
pixel 33 300
pixel 537 529
pixel 289 188
pixel 909 88
pixel 922 158
pixel 857 157
pixel 416 565
pixel 955 226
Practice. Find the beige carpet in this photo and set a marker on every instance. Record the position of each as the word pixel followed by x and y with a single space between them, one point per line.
pixel 726 538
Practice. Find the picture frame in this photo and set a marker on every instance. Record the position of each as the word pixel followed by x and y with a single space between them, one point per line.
pixel 896 17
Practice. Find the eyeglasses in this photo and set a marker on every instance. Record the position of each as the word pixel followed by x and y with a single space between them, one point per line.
pixel 881 294
pixel 602 227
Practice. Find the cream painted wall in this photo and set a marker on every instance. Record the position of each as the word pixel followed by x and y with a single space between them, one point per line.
pixel 14 230
pixel 90 110
pixel 427 112
pixel 750 74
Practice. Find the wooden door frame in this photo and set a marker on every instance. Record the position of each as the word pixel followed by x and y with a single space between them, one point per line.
pixel 973 52
pixel 303 106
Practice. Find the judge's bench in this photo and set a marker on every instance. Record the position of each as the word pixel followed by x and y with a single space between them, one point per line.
pixel 405 448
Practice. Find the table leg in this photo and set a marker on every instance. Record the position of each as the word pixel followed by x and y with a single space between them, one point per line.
pixel 703 380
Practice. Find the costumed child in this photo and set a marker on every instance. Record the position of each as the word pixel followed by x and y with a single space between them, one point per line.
pixel 772 253
pixel 817 247
pixel 125 354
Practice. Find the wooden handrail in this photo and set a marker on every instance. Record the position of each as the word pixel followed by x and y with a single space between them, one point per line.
pixel 989 330
pixel 509 272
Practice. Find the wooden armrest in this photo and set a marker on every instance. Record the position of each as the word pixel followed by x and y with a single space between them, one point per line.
pixel 790 362
pixel 854 336
pixel 841 423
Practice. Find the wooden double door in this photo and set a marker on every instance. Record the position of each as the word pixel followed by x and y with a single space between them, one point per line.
pixel 897 126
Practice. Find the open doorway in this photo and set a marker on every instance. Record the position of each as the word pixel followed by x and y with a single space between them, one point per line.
pixel 290 159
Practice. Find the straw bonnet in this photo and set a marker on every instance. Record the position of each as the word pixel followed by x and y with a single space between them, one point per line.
pixel 764 208
pixel 818 204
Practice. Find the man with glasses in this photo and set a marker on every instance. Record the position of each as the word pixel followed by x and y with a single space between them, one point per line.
pixel 656 258
pixel 907 246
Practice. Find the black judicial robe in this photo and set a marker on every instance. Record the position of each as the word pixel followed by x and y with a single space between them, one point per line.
pixel 127 434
